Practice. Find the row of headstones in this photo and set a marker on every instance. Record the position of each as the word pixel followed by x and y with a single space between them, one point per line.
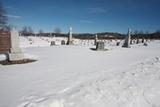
pixel 69 41
pixel 54 43
pixel 127 42
pixel 138 41
pixel 106 42
pixel 90 42
pixel 31 41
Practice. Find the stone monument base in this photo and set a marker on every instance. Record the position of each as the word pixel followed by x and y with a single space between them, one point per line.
pixel 16 56
pixel 15 50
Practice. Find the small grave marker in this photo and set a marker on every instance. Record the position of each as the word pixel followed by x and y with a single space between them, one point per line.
pixel 63 42
pixel 53 43
pixel 100 46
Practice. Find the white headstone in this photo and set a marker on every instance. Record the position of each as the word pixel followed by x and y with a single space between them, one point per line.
pixel 70 33
pixel 15 51
pixel 70 40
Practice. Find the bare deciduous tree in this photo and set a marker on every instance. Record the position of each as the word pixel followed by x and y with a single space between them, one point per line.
pixel 27 31
pixel 57 30
pixel 30 30
pixel 41 31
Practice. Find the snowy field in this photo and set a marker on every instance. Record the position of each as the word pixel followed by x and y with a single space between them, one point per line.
pixel 76 76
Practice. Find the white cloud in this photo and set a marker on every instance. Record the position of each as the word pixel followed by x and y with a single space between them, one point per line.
pixel 13 16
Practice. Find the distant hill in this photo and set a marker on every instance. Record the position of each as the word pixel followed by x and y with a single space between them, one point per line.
pixel 102 35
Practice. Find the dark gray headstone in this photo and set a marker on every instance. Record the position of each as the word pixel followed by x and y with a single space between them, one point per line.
pixel 63 42
pixel 100 46
pixel 127 40
pixel 131 41
pixel 118 43
pixel 137 42
pixel 95 39
pixel 145 44
pixel 53 43
pixel 143 40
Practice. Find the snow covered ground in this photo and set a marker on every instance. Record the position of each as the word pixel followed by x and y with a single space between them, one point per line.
pixel 76 76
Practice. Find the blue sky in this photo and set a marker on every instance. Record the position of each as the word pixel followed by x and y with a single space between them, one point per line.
pixel 85 15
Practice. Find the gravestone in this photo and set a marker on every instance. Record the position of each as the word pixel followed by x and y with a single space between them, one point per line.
pixel 127 40
pixel 63 42
pixel 143 40
pixel 53 43
pixel 15 50
pixel 131 41
pixel 95 40
pixel 100 46
pixel 145 44
pixel 70 40
pixel 30 39
pixel 118 43
pixel 137 42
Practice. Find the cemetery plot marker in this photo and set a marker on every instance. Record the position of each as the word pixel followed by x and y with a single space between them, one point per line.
pixel 15 51
pixel 63 42
pixel 95 40
pixel 127 40
pixel 100 46
pixel 53 43
pixel 70 40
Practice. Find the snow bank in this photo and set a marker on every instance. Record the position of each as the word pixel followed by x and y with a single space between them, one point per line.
pixel 3 57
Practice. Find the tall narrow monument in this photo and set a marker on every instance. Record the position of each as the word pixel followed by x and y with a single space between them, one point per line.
pixel 95 39
pixel 127 39
pixel 70 40
pixel 15 51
